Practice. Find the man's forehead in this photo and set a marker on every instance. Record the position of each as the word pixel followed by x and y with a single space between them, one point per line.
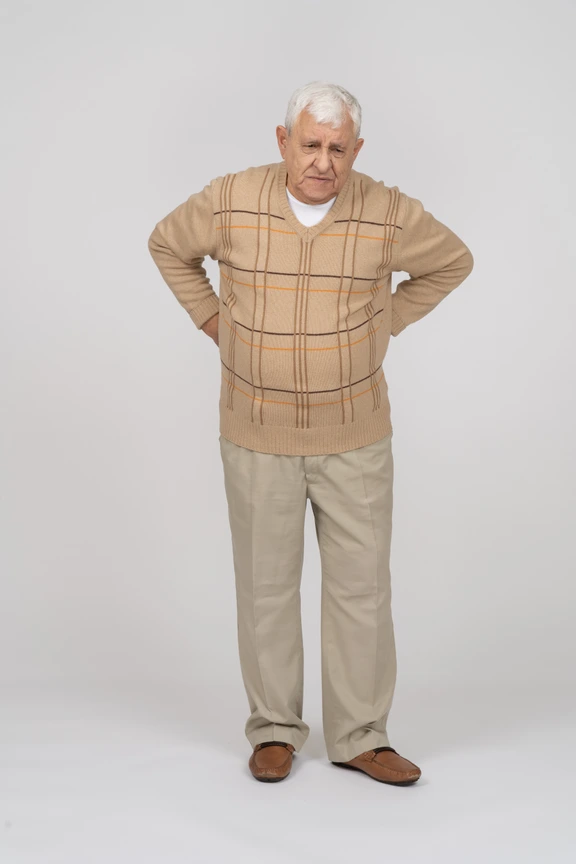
pixel 317 131
pixel 316 139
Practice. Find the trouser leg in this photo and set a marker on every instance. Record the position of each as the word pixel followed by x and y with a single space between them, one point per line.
pixel 266 496
pixel 352 495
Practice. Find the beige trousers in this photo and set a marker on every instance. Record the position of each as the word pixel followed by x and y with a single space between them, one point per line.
pixel 351 499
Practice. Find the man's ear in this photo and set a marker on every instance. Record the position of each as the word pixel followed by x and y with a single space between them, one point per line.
pixel 281 137
pixel 358 146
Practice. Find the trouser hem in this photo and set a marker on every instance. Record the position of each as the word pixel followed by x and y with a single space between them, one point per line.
pixel 297 741
pixel 345 754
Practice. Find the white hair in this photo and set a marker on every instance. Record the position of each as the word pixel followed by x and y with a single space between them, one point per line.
pixel 327 103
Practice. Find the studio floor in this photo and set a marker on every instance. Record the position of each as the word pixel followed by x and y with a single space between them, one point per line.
pixel 115 774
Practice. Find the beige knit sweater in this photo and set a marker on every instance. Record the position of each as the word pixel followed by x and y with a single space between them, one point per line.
pixel 306 313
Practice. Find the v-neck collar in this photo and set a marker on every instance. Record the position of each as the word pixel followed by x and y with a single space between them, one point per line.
pixel 307 232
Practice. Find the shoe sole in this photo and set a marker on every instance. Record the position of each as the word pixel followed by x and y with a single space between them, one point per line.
pixel 389 782
pixel 269 779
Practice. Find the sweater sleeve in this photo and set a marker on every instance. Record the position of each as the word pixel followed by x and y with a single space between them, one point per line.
pixel 178 244
pixel 436 259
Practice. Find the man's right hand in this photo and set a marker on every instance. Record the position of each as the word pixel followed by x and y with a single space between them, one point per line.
pixel 211 327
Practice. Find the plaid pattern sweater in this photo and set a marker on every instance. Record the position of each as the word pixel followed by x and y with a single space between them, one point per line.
pixel 305 313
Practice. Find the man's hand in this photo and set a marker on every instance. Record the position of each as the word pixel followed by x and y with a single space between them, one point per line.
pixel 211 327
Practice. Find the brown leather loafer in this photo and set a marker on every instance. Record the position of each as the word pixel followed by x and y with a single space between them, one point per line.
pixel 271 761
pixel 385 765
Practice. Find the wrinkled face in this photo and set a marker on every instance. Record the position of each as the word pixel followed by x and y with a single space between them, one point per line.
pixel 318 158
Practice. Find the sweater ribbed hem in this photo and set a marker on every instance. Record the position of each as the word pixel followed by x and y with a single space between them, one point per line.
pixel 319 440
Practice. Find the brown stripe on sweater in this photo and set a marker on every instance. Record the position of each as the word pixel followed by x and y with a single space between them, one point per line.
pixel 303 249
pixel 253 213
pixel 255 227
pixel 370 310
pixel 223 187
pixel 297 337
pixel 275 216
pixel 344 247
pixel 312 275
pixel 304 356
pixel 301 337
pixel 312 392
pixel 390 231
pixel 387 244
pixel 316 404
pixel 254 298
pixel 360 237
pixel 254 303
pixel 269 236
pixel 226 206
pixel 290 333
pixel 366 222
pixel 372 355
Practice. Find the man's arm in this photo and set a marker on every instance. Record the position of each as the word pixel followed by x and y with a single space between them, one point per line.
pixel 178 244
pixel 436 259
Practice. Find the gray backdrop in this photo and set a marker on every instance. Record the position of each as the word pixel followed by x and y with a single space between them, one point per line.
pixel 122 706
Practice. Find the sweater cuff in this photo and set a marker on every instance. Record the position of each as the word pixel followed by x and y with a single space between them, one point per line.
pixel 397 324
pixel 205 310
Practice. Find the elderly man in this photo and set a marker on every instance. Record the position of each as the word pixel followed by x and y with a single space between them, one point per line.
pixel 306 248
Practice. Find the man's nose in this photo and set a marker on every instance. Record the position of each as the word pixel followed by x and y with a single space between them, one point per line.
pixel 323 161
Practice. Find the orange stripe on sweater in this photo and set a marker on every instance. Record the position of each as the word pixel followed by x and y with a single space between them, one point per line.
pixel 284 288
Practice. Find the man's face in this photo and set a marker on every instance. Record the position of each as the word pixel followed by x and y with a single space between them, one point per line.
pixel 318 158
